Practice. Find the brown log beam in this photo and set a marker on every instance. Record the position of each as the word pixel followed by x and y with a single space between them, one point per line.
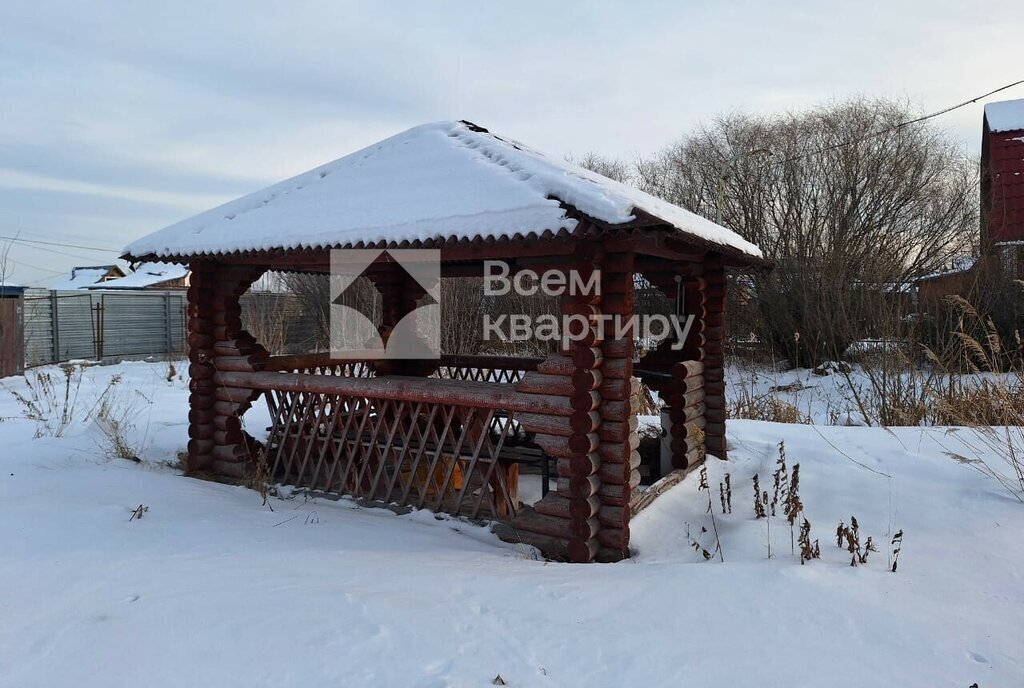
pixel 402 388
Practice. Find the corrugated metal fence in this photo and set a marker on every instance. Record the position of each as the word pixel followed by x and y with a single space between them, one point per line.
pixel 66 325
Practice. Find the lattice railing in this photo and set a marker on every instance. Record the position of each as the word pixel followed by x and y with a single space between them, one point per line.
pixel 319 364
pixel 501 369
pixel 444 457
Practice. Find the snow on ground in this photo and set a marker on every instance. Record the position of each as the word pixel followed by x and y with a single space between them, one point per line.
pixel 211 587
pixel 824 399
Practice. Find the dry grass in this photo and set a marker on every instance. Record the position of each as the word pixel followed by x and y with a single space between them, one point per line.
pixel 259 477
pixel 994 406
pixel 745 404
pixel 115 413
pixel 53 402
pixel 976 381
pixel 50 400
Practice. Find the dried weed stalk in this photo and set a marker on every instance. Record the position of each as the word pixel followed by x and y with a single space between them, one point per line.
pixel 808 550
pixel 714 526
pixel 725 494
pixel 696 544
pixel 759 510
pixel 897 545
pixel 851 534
pixel 780 478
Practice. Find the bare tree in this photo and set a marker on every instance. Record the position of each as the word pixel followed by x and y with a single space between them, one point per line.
pixel 849 206
pixel 313 292
pixel 609 167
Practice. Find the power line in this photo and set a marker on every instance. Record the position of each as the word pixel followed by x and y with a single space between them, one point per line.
pixel 53 250
pixel 894 127
pixel 33 283
pixel 34 267
pixel 58 243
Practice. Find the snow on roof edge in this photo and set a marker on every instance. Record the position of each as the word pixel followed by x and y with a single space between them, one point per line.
pixel 81 277
pixel 145 275
pixel 1005 115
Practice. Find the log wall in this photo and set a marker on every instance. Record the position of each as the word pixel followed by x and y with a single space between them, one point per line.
pixel 619 439
pixel 714 357
pixel 218 444
pixel 566 521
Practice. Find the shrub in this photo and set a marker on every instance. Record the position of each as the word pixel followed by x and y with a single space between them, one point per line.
pixel 114 413
pixel 50 400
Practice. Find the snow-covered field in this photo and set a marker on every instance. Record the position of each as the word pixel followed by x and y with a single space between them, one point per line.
pixel 211 587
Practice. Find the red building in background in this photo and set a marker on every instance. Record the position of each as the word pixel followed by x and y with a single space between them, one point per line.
pixel 1002 185
pixel 1002 210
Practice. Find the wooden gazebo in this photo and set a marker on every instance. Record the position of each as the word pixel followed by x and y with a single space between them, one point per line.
pixel 450 434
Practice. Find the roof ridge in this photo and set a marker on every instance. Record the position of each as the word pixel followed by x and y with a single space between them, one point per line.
pixel 421 184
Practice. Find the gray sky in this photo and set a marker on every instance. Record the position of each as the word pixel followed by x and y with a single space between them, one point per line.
pixel 118 119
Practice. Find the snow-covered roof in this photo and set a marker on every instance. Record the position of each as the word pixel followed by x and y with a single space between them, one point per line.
pixel 1006 115
pixel 958 265
pixel 146 275
pixel 10 289
pixel 83 277
pixel 435 181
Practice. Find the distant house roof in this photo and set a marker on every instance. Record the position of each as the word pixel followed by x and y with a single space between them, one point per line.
pixel 441 181
pixel 9 289
pixel 958 265
pixel 146 275
pixel 86 276
pixel 1006 115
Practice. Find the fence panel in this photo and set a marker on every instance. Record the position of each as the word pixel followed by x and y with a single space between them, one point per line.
pixel 38 327
pixel 66 325
pixel 141 323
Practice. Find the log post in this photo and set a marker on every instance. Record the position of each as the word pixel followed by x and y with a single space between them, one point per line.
pixel 217 343
pixel 714 357
pixel 202 388
pixel 565 522
pixel 581 324
pixel 400 294
pixel 688 388
pixel 683 391
pixel 619 440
